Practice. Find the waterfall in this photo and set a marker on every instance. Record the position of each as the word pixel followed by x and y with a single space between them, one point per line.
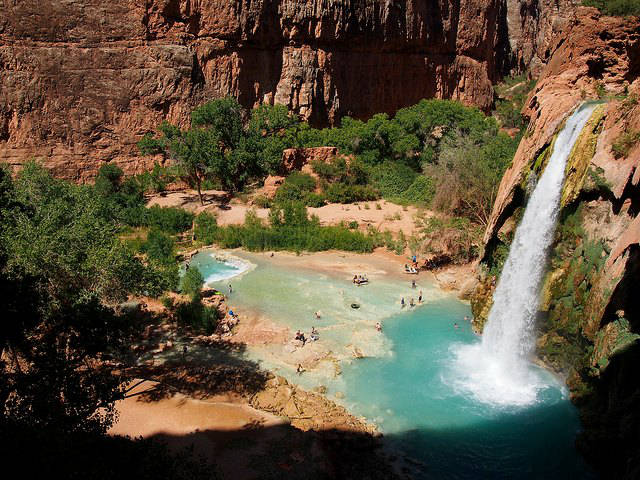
pixel 501 371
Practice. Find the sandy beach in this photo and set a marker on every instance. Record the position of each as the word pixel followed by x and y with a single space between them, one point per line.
pixel 379 214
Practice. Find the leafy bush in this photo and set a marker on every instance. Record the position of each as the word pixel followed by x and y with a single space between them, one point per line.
pixel 160 247
pixel 192 282
pixel 392 178
pixel 205 228
pixel 296 187
pixel 169 219
pixel 343 193
pixel 421 191
pixel 197 316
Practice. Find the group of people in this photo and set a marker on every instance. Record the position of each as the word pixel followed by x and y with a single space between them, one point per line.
pixel 313 336
pixel 360 279
pixel 412 302
pixel 413 268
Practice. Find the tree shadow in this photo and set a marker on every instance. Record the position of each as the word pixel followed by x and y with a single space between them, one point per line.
pixel 216 368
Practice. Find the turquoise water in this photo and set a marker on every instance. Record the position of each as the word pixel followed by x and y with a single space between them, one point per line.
pixel 407 384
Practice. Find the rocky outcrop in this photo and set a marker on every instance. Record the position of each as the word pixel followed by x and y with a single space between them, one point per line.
pixel 590 315
pixel 302 158
pixel 82 81
pixel 306 410
pixel 534 25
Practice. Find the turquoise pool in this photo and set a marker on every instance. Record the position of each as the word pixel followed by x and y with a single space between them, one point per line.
pixel 409 384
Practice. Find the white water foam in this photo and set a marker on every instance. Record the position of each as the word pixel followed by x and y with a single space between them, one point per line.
pixel 498 370
pixel 230 267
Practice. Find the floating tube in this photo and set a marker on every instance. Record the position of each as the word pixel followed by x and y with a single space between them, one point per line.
pixel 355 305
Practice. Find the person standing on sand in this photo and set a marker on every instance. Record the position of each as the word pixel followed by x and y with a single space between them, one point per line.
pixel 230 289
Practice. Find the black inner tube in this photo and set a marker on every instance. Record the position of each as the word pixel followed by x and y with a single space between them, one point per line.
pixel 355 305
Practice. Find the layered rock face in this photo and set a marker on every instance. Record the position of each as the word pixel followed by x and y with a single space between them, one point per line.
pixel 533 26
pixel 81 81
pixel 590 311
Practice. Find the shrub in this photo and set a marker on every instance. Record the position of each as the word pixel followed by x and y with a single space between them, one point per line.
pixel 197 316
pixel 192 282
pixel 392 178
pixel 421 191
pixel 205 228
pixel 296 187
pixel 159 247
pixel 169 219
pixel 343 193
pixel 315 200
pixel 261 201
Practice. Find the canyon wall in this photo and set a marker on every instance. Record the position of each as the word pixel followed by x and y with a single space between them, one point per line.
pixel 590 311
pixel 81 81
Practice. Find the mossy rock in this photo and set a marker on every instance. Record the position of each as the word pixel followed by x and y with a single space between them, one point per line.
pixel 481 301
pixel 581 155
pixel 611 340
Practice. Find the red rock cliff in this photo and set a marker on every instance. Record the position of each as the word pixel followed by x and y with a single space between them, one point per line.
pixel 81 81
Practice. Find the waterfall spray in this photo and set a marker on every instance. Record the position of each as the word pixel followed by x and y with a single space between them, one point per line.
pixel 500 368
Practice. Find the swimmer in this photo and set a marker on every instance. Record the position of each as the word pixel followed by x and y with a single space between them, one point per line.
pixel 420 297
pixel 413 284
pixel 412 303
pixel 317 315
pixel 378 326
pixel 456 326
pixel 402 302
pixel 299 370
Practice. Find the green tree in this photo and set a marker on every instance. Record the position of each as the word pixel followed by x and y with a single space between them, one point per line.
pixel 61 267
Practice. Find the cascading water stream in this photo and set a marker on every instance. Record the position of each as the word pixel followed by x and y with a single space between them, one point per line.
pixel 499 369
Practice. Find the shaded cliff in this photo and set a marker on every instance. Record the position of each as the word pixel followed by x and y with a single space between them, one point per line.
pixel 82 81
pixel 590 312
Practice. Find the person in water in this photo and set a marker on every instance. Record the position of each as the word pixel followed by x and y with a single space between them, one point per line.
pixel 420 297
pixel 402 302
pixel 314 336
pixel 355 279
pixel 413 284
pixel 299 370
pixel 412 303
pixel 300 336
pixel 230 289
pixel 455 325
pixel 317 315
pixel 378 326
